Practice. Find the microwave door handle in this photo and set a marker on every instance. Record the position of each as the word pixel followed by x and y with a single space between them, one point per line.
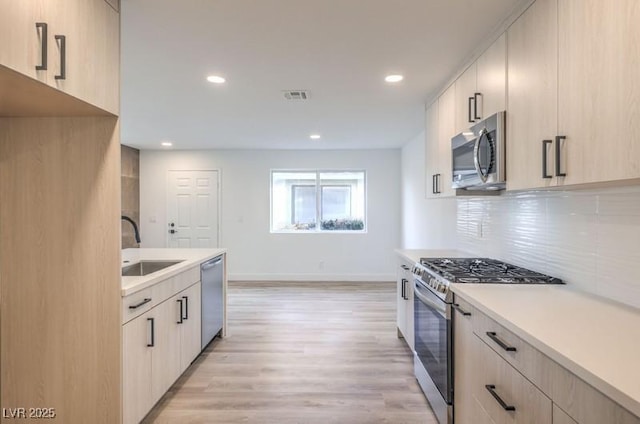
pixel 476 159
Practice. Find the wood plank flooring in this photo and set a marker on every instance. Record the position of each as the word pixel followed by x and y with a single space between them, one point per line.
pixel 302 353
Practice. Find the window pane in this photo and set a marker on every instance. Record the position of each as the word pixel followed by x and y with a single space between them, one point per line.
pixel 342 201
pixel 291 211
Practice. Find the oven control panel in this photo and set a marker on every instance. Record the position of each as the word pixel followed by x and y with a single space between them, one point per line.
pixel 435 283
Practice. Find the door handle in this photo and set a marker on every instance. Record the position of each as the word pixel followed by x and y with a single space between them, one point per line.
pixel 63 57
pixel 492 389
pixel 181 312
pixel 172 231
pixel 42 26
pixel 153 332
pixel 186 307
pixel 558 139
pixel 475 105
pixel 544 158
pixel 471 121
pixel 493 336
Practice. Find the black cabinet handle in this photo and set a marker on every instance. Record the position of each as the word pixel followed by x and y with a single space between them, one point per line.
pixel 492 389
pixel 475 105
pixel 405 296
pixel 186 307
pixel 462 311
pixel 558 139
pixel 137 305
pixel 63 57
pixel 433 183
pixel 406 268
pixel 492 335
pixel 438 184
pixel 42 26
pixel 544 158
pixel 471 121
pixel 181 312
pixel 402 287
pixel 153 332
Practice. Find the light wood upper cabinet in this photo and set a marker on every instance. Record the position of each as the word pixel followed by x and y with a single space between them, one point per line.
pixel 440 128
pixel 599 90
pixel 465 99
pixel 446 130
pixel 532 95
pixel 82 46
pixel 492 79
pixel 481 89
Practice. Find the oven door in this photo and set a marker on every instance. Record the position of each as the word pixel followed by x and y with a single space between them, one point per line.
pixel 433 339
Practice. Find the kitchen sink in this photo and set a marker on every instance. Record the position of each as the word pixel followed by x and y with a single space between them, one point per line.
pixel 146 267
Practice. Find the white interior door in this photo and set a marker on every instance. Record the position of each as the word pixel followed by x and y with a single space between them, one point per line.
pixel 192 209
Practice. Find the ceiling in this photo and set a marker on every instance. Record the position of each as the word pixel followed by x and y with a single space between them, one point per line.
pixel 338 50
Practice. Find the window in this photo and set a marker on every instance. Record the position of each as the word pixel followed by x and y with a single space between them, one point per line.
pixel 317 201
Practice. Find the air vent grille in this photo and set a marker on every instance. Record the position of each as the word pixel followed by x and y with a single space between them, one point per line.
pixel 296 94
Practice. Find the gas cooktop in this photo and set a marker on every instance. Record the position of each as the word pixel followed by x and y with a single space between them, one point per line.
pixel 484 270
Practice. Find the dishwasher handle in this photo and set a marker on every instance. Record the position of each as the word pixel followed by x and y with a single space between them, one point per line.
pixel 208 265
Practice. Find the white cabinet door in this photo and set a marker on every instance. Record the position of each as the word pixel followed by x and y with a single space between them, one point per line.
pixel 532 61
pixel 166 352
pixel 401 303
pixel 191 334
pixel 492 79
pixel 446 130
pixel 465 100
pixel 432 151
pixel 136 367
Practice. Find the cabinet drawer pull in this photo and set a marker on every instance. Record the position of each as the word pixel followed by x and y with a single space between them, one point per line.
pixel 492 389
pixel 137 305
pixel 406 268
pixel 181 312
pixel 558 139
pixel 544 158
pixel 153 332
pixel 457 307
pixel 492 335
pixel 186 307
pixel 63 57
pixel 475 105
pixel 42 26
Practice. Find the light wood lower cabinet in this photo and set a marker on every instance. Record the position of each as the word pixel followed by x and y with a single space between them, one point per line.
pixel 404 302
pixel 540 390
pixel 157 347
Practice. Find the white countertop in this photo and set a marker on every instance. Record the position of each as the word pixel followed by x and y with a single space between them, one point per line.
pixel 596 339
pixel 414 255
pixel 190 258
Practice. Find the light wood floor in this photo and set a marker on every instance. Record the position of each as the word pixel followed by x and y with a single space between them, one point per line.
pixel 302 353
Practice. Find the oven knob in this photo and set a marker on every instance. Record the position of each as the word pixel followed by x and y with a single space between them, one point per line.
pixel 442 288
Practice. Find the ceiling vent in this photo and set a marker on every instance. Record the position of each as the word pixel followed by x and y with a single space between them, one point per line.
pixel 296 95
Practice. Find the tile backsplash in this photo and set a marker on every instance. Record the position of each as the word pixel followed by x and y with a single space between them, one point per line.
pixel 589 238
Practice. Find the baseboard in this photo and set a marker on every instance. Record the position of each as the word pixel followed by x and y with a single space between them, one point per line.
pixel 312 277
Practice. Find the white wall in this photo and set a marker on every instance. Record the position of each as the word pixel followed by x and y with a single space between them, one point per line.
pixel 425 223
pixel 589 238
pixel 255 253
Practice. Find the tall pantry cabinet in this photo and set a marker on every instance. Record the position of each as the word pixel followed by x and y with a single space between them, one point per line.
pixel 60 319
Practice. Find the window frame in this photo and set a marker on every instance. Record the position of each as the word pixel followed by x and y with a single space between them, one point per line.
pixel 318 229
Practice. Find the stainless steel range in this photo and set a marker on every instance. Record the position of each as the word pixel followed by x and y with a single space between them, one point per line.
pixel 433 362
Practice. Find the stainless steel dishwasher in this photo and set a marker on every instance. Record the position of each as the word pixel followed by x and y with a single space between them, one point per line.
pixel 211 277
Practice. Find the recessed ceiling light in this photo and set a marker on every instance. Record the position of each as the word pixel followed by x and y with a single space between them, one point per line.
pixel 215 79
pixel 167 143
pixel 314 136
pixel 393 78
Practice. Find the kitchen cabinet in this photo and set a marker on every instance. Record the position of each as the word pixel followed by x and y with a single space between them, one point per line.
pixel 532 51
pixel 481 90
pixel 75 48
pixel 572 90
pixel 404 302
pixel 440 128
pixel 159 344
pixel 465 410
pixel 540 390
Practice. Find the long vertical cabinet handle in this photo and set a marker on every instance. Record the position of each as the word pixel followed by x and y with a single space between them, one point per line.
pixel 433 184
pixel 475 105
pixel 63 57
pixel 42 28
pixel 471 121
pixel 402 287
pixel 438 184
pixel 181 312
pixel 544 159
pixel 186 307
pixel 559 138
pixel 153 332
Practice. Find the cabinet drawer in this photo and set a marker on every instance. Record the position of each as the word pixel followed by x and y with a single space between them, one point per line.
pixel 464 308
pixel 505 394
pixel 137 303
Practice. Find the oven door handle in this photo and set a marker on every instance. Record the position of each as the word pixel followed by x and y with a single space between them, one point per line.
pixel 422 298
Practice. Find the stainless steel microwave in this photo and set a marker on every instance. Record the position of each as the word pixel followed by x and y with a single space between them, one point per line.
pixel 478 156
